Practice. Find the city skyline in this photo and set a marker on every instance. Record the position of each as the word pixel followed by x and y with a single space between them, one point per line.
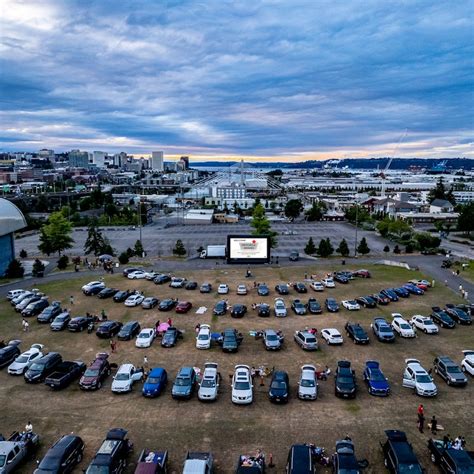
pixel 264 81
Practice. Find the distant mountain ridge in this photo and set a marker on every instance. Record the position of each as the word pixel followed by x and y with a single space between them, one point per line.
pixel 354 163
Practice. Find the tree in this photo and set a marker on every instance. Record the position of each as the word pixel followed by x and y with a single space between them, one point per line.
pixel 23 253
pixel 130 253
pixel 396 249
pixel 261 225
pixel 357 213
pixel 315 213
pixel 95 240
pixel 63 262
pixel 15 269
pixel 386 249
pixel 38 268
pixel 409 248
pixel 123 258
pixel 466 218
pixel 45 246
pixel 343 248
pixel 363 248
pixel 396 227
pixel 310 248
pixel 179 248
pixel 293 208
pixel 57 233
pixel 427 241
pixel 108 249
pixel 138 249
pixel 440 192
pixel 325 249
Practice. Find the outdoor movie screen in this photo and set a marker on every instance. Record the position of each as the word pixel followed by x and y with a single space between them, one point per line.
pixel 248 249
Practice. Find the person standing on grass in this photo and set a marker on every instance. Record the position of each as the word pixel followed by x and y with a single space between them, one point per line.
pixel 145 365
pixel 71 299
pixel 434 425
pixel 421 422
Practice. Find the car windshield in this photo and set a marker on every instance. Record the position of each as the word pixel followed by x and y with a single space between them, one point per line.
pixel 359 331
pixel 272 337
pixel 308 383
pixel 310 340
pixel 61 317
pixel 384 328
pixel 122 376
pixel 207 383
pixel 377 376
pixel 144 335
pixel 98 470
pixel 405 326
pixel 2 460
pixel 454 369
pixel 36 367
pixel 423 378
pixel 22 359
pixel 203 337
pixel 345 380
pixel 153 380
pixel 91 372
pixel 279 385
pixel 352 302
pixel 242 386
pixel 428 322
pixel 181 382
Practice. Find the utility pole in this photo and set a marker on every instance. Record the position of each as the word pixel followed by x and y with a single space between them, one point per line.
pixel 356 229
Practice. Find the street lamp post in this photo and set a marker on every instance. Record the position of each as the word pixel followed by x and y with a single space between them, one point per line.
pixel 356 229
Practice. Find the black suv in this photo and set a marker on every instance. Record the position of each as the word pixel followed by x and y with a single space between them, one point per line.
pixel 300 460
pixel 279 387
pixel 108 329
pixel 129 331
pixel 345 381
pixel 230 340
pixel 43 367
pixel 49 313
pixel 9 353
pixel 112 454
pixel 62 456
pixel 35 308
pixel 344 459
pixel 398 454
pixel 449 371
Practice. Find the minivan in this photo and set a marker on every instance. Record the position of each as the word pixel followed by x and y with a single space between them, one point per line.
pixel 300 460
pixel 43 367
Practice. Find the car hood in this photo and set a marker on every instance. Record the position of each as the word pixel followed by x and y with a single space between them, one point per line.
pixel 151 387
pixel 272 343
pixel 120 384
pixel 17 365
pixel 181 389
pixel 207 391
pixel 379 384
pixel 88 380
pixel 458 376
pixel 426 386
pixel 278 392
pixel 307 390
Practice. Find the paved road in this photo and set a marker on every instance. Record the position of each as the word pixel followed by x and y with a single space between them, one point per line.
pixel 160 241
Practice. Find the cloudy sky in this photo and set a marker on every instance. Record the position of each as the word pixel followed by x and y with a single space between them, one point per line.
pixel 289 80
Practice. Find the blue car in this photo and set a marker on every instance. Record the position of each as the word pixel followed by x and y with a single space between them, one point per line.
pixel 184 383
pixel 402 292
pixel 155 383
pixel 413 289
pixel 390 294
pixel 376 381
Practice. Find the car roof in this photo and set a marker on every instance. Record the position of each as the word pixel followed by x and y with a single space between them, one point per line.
pixel 156 371
pixel 125 368
pixel 185 371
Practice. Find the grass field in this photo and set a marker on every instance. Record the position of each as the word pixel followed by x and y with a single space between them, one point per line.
pixel 221 427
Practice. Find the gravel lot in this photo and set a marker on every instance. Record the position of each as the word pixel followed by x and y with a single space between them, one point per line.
pixel 222 427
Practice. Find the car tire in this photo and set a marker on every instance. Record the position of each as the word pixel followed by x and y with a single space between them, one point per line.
pixel 433 458
pixel 79 458
pixel 99 385
pixel 436 370
pixel 385 462
pixel 463 368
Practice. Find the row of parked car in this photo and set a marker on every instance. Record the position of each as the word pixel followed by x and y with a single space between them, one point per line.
pixel 37 367
pixel 113 454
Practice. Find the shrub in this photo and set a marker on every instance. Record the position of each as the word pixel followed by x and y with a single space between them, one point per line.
pixel 63 262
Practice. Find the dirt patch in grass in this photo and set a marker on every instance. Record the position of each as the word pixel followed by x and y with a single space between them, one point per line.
pixel 222 427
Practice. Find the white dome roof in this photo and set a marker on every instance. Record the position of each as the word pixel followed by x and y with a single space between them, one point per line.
pixel 11 218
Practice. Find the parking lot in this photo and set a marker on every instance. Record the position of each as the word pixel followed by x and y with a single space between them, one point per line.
pixel 160 241
pixel 221 427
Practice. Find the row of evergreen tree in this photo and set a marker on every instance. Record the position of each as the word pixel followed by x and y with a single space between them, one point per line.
pixel 325 248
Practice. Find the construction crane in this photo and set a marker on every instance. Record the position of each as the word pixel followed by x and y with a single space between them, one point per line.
pixel 383 173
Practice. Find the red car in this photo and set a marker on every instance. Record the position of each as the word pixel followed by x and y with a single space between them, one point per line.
pixel 361 273
pixel 183 307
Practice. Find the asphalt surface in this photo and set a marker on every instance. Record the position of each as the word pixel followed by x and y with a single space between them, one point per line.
pixel 159 240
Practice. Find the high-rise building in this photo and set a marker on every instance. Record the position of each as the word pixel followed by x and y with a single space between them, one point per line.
pixel 184 160
pixel 98 158
pixel 157 160
pixel 78 159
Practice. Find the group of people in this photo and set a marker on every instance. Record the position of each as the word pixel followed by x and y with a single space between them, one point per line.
pixel 421 421
pixel 458 443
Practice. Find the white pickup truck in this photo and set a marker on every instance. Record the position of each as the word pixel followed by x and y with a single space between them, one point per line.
pixel 198 463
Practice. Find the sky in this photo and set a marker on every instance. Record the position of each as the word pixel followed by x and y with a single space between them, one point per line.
pixel 265 80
